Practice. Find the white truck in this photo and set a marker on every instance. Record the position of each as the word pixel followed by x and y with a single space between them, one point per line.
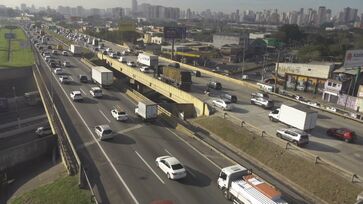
pixel 75 49
pixel 102 76
pixel 241 186
pixel 147 110
pixel 298 116
pixel 148 59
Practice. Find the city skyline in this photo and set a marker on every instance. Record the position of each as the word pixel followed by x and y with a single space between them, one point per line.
pixel 215 5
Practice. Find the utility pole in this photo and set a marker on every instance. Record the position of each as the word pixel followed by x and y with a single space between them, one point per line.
pixel 277 69
pixel 243 56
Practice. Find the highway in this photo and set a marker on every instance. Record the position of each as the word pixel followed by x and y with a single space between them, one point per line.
pixel 125 167
pixel 346 155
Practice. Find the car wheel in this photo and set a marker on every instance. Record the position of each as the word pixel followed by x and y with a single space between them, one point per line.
pixel 157 164
pixel 168 175
pixel 278 135
pixel 296 143
pixel 347 140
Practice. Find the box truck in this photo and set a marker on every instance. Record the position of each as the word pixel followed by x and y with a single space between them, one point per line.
pixel 298 116
pixel 95 42
pixel 102 76
pixel 148 59
pixel 75 49
pixel 147 110
pixel 177 77
pixel 241 186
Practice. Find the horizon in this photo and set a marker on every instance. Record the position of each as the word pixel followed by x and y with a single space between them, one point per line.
pixel 215 5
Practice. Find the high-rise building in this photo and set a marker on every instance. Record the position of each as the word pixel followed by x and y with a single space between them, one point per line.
pixel 188 15
pixel 321 16
pixel 23 7
pixel 134 7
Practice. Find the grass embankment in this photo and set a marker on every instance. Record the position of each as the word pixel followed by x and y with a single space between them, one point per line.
pixel 63 190
pixel 60 37
pixel 21 54
pixel 319 180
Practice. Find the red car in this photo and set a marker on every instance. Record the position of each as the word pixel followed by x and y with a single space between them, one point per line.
pixel 342 133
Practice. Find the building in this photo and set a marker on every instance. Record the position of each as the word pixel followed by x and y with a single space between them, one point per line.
pixel 305 77
pixel 157 40
pixel 222 39
pixel 333 88
pixel 134 7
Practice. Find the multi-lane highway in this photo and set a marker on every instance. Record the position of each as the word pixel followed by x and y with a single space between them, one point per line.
pixel 127 163
pixel 346 155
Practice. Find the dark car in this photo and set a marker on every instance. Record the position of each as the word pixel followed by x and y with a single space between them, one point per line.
pixel 230 97
pixel 83 78
pixel 214 85
pixel 342 133
pixel 197 73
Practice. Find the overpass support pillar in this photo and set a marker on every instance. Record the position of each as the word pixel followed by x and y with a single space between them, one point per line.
pixel 82 177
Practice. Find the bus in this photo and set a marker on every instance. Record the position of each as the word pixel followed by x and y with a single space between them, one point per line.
pixel 32 98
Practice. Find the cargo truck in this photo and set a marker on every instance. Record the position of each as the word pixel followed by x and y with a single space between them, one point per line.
pixel 241 186
pixel 298 116
pixel 148 59
pixel 102 76
pixel 177 77
pixel 147 110
pixel 75 49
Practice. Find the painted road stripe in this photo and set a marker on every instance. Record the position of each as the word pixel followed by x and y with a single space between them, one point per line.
pixel 157 176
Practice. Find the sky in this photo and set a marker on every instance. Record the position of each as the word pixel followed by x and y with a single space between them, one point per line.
pixel 198 5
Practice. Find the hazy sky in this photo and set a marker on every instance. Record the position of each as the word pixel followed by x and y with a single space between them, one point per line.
pixel 217 5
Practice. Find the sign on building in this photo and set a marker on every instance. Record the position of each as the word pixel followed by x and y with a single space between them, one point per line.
pixel 353 58
pixel 175 32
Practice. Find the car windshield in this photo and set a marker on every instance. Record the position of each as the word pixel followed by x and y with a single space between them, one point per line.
pixel 176 166
pixel 107 132
pixel 121 113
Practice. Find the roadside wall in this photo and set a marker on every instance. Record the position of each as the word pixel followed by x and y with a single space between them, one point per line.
pixel 16 155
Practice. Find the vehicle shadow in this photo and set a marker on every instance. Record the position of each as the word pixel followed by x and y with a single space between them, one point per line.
pixel 239 110
pixel 317 146
pixel 109 97
pixel 195 178
pixel 122 139
pixel 323 117
pixel 87 100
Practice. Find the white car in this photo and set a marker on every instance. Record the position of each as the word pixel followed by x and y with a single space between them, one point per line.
pixel 223 104
pixel 171 167
pixel 131 64
pixel 104 132
pixel 65 79
pixel 263 102
pixel 119 115
pixel 58 71
pixel 65 53
pixel 96 92
pixel 66 64
pixel 76 96
pixel 146 69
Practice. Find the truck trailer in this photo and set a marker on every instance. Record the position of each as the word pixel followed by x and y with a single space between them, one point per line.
pixel 75 49
pixel 241 186
pixel 102 76
pixel 177 77
pixel 148 59
pixel 147 110
pixel 298 116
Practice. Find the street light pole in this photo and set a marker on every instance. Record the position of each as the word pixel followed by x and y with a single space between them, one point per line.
pixel 277 69
pixel 243 56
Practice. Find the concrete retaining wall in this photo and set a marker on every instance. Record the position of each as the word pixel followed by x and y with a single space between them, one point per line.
pixel 16 155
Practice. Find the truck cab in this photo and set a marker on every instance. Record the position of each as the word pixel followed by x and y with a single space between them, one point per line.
pixel 231 173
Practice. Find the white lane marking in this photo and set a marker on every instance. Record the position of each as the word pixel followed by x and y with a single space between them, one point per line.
pixel 130 129
pixel 191 146
pixel 108 120
pixel 168 152
pixel 157 176
pixel 99 145
pixel 82 91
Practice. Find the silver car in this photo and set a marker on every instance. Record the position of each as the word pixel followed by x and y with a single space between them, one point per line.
pixel 298 137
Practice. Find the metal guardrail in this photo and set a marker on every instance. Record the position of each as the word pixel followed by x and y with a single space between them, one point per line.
pixel 352 177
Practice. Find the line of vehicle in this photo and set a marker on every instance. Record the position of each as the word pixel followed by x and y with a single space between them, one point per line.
pixel 97 142
pixel 152 170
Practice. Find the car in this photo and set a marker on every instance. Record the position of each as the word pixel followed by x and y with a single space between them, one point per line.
pixel 104 132
pixel 53 64
pixel 119 115
pixel 83 78
pixel 230 97
pixel 342 133
pixel 171 167
pixel 58 71
pixel 122 60
pixel 263 102
pixel 259 95
pixel 65 79
pixel 96 92
pixel 298 137
pixel 131 64
pixel 66 64
pixel 76 96
pixel 44 131
pixel 146 69
pixel 65 53
pixel 214 85
pixel 223 104
pixel 54 52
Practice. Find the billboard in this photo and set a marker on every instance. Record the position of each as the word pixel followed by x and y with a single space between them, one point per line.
pixel 175 32
pixel 353 58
